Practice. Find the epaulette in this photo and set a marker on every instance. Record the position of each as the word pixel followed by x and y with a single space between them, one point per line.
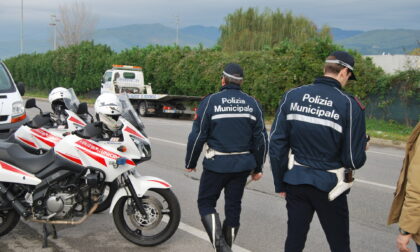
pixel 204 97
pixel 363 107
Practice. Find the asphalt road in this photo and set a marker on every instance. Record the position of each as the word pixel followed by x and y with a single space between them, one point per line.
pixel 263 219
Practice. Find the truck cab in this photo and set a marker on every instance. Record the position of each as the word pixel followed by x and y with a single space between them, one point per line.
pixel 123 79
pixel 12 109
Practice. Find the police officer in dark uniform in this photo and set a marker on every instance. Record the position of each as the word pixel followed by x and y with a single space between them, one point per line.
pixel 319 134
pixel 232 124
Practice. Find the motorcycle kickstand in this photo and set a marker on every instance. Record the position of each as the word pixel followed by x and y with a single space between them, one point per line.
pixel 46 233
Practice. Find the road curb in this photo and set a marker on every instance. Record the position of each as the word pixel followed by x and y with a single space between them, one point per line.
pixel 388 143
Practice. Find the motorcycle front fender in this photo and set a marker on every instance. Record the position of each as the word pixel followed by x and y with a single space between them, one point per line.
pixel 141 185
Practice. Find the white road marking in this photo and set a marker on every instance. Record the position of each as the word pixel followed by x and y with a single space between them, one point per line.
pixel 387 154
pixel 166 124
pixel 202 235
pixel 167 141
pixel 359 180
pixel 376 184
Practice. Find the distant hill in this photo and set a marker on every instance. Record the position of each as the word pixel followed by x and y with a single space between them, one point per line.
pixel 339 34
pixel 399 41
pixel 142 35
pixel 12 48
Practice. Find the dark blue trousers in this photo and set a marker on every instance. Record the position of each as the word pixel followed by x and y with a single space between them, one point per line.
pixel 302 202
pixel 418 247
pixel 212 184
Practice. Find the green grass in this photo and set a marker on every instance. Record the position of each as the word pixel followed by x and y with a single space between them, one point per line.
pixel 388 130
pixel 44 94
pixel 38 94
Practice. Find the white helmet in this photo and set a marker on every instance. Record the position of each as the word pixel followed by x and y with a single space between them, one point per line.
pixel 108 108
pixel 63 98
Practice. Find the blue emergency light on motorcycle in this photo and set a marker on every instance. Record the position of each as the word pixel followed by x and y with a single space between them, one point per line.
pixel 121 161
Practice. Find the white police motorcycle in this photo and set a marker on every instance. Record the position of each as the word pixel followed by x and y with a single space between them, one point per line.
pixel 65 185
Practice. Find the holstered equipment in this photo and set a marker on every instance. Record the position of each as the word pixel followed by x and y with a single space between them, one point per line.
pixel 213 228
pixel 229 233
pixel 344 182
pixel 344 178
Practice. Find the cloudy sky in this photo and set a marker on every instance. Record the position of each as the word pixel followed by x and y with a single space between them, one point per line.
pixel 345 14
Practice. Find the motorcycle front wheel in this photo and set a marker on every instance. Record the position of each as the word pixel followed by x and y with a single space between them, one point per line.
pixel 163 216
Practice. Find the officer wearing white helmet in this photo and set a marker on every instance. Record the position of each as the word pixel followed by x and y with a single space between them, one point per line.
pixel 61 99
pixel 108 109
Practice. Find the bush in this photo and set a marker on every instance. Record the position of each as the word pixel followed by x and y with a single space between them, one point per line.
pixel 193 71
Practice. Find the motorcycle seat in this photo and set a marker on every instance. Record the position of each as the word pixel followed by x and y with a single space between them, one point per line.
pixel 14 154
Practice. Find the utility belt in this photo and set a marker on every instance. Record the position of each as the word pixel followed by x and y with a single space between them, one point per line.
pixel 210 153
pixel 344 178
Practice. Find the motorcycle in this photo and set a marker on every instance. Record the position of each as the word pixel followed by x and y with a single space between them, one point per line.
pixel 45 130
pixel 65 184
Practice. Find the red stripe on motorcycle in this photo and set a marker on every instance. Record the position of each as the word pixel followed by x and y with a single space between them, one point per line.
pixel 46 134
pixel 8 167
pixel 97 149
pixel 97 158
pixel 49 143
pixel 76 160
pixel 73 119
pixel 28 142
pixel 160 182
pixel 133 132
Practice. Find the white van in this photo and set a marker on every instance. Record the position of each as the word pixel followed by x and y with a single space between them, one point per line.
pixel 12 109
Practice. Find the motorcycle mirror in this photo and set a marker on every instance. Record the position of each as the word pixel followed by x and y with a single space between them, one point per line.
pixel 31 103
pixel 82 109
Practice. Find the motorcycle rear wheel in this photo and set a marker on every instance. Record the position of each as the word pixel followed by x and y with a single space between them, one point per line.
pixel 8 221
pixel 163 211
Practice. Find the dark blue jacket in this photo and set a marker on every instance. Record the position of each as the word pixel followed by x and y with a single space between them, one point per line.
pixel 229 121
pixel 324 128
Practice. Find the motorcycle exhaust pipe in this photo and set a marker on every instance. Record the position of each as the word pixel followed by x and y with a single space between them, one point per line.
pixel 70 222
pixel 6 195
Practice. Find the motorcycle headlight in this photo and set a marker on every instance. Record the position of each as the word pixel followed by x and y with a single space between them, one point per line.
pixel 17 108
pixel 143 147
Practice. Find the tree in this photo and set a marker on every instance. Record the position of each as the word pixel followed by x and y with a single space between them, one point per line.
pixel 77 24
pixel 416 51
pixel 249 30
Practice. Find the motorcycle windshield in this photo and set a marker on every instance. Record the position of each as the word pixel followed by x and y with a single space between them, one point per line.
pixel 129 113
pixel 72 103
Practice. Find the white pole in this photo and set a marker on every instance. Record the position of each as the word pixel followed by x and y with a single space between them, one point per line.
pixel 177 30
pixel 55 36
pixel 21 27
pixel 54 22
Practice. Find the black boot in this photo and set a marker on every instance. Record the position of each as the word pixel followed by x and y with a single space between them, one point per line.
pixel 229 233
pixel 213 228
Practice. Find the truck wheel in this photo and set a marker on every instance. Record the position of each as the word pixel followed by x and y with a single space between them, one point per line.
pixel 142 109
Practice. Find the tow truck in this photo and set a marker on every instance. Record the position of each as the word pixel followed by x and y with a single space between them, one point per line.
pixel 130 80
